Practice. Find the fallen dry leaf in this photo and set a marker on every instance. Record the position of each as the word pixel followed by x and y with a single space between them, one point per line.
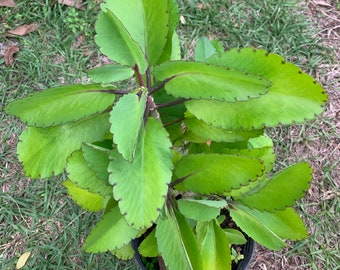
pixel 73 3
pixel 22 260
pixel 11 50
pixel 23 29
pixel 7 3
pixel 322 3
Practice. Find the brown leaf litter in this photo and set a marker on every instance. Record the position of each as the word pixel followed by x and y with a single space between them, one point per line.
pixel 7 3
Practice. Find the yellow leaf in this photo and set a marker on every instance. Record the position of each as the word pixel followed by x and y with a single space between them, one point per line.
pixel 22 260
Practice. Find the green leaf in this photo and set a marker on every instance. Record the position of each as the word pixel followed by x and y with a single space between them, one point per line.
pixel 282 190
pixel 202 81
pixel 172 113
pixel 204 49
pixel 126 120
pixel 131 14
pixel 148 248
pixel 235 237
pixel 81 175
pixel 268 228
pixel 172 48
pixel 110 73
pixel 62 104
pixel 156 28
pixel 110 233
pixel 293 96
pixel 177 243
pixel 215 173
pixel 214 246
pixel 97 159
pixel 43 151
pixel 141 186
pixel 266 154
pixel 126 252
pixel 147 22
pixel 286 224
pixel 176 48
pixel 256 226
pixel 209 132
pixel 200 210
pixel 89 201
pixel 125 51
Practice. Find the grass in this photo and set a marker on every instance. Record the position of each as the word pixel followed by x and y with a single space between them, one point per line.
pixel 37 216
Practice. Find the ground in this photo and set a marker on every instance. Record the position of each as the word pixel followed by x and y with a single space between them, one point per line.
pixel 36 215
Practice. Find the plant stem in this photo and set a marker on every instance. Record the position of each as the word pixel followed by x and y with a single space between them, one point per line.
pixel 171 103
pixel 180 180
pixel 161 85
pixel 139 76
pixel 148 79
pixel 173 122
pixel 118 91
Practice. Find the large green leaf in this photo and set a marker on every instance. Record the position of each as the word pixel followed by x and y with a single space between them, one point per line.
pixel 126 121
pixel 177 243
pixel 131 14
pixel 111 232
pixel 97 159
pixel 85 178
pixel 257 227
pixel 89 201
pixel 147 22
pixel 293 97
pixel 156 28
pixel 115 41
pixel 282 190
pixel 62 104
pixel 214 246
pixel 216 173
pixel 209 132
pixel 266 154
pixel 43 151
pixel 110 73
pixel 210 82
pixel 200 210
pixel 141 186
pixel 268 228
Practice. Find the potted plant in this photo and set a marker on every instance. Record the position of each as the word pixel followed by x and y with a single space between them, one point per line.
pixel 179 154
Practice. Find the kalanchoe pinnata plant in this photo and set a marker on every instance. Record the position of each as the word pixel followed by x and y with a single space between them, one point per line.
pixel 161 159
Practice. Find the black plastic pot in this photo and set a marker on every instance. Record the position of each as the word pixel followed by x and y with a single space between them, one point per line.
pixel 247 251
